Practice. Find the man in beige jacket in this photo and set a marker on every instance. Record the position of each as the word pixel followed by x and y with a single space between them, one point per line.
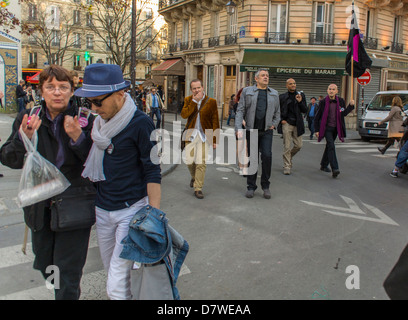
pixel 154 104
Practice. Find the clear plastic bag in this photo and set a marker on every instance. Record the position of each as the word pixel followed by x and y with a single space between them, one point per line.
pixel 40 179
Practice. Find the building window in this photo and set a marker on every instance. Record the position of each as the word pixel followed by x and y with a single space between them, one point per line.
pixel 109 60
pixel 77 17
pixel 149 32
pixel 32 12
pixel 77 60
pixel 323 17
pixel 397 35
pixel 211 81
pixel 147 69
pixel 149 53
pixel 77 40
pixel 232 22
pixel 52 20
pixel 90 61
pixel 89 19
pixel 215 24
pixel 322 24
pixel 278 17
pixel 186 30
pixel 199 27
pixel 55 38
pixel 32 58
pixel 149 13
pixel 89 41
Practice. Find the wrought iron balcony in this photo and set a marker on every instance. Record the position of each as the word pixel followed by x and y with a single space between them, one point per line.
pixel 321 38
pixel 197 44
pixel 173 47
pixel 184 46
pixel 277 37
pixel 214 42
pixel 231 39
pixel 165 3
pixel 397 47
pixel 370 43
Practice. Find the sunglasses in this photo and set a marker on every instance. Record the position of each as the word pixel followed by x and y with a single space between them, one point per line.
pixel 98 102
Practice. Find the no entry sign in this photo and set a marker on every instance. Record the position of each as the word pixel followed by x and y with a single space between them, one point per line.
pixel 364 79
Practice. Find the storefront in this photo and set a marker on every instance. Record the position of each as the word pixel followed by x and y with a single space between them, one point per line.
pixel 313 71
pixel 171 73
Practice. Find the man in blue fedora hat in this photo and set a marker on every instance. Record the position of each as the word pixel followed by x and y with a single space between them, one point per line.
pixel 120 165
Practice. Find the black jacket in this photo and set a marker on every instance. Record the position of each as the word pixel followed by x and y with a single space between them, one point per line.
pixel 13 151
pixel 300 107
pixel 344 111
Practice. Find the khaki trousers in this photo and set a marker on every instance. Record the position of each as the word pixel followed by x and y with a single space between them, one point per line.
pixel 290 136
pixel 196 154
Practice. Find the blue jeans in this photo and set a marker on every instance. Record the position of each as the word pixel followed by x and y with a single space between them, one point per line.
pixel 311 126
pixel 402 156
pixel 265 148
pixel 21 104
pixel 156 111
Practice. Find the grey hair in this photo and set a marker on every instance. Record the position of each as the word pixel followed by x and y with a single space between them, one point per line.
pixel 259 71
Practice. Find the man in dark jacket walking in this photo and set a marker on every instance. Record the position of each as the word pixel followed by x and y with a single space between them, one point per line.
pixel 292 105
pixel 329 123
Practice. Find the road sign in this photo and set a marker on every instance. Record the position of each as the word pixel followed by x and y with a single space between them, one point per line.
pixel 364 79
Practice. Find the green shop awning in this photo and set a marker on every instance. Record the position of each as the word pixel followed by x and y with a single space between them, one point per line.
pixel 295 62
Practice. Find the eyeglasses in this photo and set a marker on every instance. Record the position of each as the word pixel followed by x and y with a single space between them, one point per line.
pixel 63 89
pixel 97 102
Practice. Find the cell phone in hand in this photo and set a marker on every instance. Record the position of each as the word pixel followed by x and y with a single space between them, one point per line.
pixel 83 115
pixel 34 111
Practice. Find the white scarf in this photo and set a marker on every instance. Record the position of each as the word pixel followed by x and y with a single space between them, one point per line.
pixel 102 133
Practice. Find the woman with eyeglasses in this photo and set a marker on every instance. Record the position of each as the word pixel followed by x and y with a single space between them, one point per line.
pixel 65 142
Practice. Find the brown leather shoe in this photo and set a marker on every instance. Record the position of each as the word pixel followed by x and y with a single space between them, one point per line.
pixel 191 183
pixel 199 194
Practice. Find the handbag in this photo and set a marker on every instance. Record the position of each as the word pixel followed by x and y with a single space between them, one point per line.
pixel 182 141
pixel 73 209
pixel 396 283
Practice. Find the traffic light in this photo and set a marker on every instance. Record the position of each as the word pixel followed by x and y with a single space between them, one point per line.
pixel 86 55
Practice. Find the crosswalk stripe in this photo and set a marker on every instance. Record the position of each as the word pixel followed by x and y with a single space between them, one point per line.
pixel 13 255
pixel 369 150
pixel 93 286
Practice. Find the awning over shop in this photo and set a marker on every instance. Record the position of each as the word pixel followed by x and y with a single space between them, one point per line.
pixel 171 67
pixel 34 78
pixel 295 62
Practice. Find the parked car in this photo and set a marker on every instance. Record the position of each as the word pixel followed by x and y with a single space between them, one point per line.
pixel 376 110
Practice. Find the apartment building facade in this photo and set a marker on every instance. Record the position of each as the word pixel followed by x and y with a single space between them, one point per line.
pixel 300 39
pixel 79 34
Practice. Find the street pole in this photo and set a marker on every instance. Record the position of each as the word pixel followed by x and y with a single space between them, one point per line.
pixel 133 52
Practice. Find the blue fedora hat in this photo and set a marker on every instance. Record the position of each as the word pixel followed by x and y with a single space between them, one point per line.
pixel 100 79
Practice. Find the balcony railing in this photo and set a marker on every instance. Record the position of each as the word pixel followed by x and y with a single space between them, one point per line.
pixel 277 37
pixel 172 47
pixel 166 3
pixel 214 42
pixel 198 44
pixel 184 45
pixel 231 39
pixel 397 47
pixel 370 43
pixel 321 38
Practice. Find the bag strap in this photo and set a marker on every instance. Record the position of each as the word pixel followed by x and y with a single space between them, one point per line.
pixel 194 114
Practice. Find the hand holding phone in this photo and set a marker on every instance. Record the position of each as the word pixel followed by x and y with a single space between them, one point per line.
pixel 34 111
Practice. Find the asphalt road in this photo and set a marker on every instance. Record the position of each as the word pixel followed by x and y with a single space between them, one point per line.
pixel 318 238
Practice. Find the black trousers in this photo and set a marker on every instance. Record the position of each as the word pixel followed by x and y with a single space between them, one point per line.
pixel 65 250
pixel 329 155
pixel 265 148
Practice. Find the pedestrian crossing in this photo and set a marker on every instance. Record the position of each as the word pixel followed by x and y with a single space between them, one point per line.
pixel 365 148
pixel 93 284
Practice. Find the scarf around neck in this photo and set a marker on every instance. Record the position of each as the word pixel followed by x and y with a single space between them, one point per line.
pixel 326 115
pixel 102 133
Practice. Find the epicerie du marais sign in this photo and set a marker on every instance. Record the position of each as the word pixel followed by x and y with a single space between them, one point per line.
pixel 298 71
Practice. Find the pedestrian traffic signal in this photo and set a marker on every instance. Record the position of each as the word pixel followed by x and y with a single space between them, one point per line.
pixel 86 55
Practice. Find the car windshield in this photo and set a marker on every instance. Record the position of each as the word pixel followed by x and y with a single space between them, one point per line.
pixel 382 102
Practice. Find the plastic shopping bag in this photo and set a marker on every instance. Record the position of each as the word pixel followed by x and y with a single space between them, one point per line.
pixel 40 179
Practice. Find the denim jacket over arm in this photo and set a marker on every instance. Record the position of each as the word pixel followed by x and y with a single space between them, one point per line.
pixel 151 240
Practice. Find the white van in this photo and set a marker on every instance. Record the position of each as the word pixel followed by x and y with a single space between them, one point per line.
pixel 376 110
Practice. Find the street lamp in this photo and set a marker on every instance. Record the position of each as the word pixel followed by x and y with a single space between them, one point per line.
pixel 231 7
